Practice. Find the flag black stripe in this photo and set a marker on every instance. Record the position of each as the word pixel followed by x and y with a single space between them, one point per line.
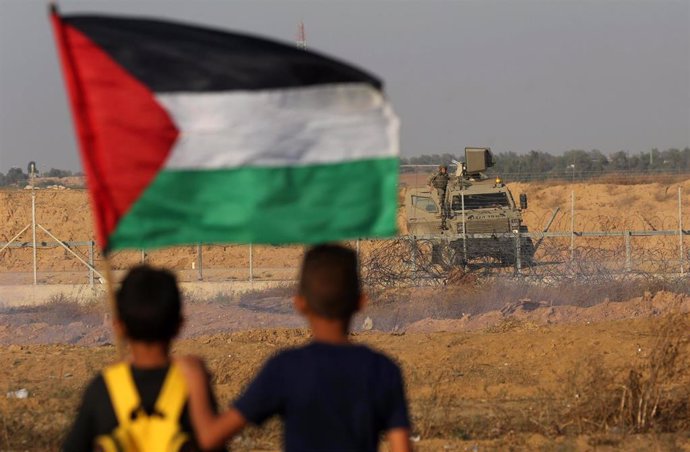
pixel 174 57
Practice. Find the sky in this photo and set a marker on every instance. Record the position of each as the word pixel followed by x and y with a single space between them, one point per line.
pixel 520 75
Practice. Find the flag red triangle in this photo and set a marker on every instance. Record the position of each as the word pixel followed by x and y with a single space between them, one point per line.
pixel 124 134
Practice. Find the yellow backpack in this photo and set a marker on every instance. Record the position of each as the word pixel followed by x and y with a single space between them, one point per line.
pixel 136 430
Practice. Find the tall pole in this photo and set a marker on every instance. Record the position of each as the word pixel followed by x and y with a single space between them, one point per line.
pixel 33 218
pixel 464 226
pixel 112 299
pixel 518 252
pixel 572 225
pixel 628 252
pixel 680 232
pixel 301 36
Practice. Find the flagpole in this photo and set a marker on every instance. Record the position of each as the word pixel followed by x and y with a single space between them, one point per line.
pixel 112 301
pixel 74 87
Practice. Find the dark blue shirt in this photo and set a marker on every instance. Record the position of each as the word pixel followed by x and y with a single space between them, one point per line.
pixel 331 397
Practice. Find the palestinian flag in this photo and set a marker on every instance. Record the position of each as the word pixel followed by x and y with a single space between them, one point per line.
pixel 192 135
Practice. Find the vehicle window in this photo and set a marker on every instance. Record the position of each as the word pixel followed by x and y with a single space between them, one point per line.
pixel 425 203
pixel 481 201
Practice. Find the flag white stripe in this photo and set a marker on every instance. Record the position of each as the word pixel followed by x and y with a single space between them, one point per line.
pixel 278 128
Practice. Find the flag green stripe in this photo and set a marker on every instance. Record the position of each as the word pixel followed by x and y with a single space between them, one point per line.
pixel 304 204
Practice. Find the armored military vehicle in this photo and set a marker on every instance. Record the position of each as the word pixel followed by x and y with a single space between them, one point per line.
pixel 477 220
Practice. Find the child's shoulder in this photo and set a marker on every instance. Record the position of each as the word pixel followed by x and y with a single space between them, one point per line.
pixel 315 350
pixel 379 358
pixel 95 395
pixel 96 385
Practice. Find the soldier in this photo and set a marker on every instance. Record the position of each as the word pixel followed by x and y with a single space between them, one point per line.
pixel 439 182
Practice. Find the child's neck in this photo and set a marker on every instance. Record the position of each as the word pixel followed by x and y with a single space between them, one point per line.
pixel 330 331
pixel 148 355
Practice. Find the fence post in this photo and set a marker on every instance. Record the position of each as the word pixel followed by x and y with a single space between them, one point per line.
pixel 200 261
pixel 91 263
pixel 572 225
pixel 414 256
pixel 33 227
pixel 628 252
pixel 518 257
pixel 680 232
pixel 464 227
pixel 251 263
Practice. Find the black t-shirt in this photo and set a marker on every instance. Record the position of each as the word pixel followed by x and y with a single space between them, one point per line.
pixel 97 417
pixel 331 397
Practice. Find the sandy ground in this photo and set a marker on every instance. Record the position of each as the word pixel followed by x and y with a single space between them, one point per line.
pixel 490 365
pixel 496 379
pixel 601 206
pixel 598 207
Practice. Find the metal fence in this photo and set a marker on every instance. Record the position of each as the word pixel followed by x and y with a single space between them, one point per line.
pixel 556 256
pixel 565 246
pixel 404 260
pixel 80 262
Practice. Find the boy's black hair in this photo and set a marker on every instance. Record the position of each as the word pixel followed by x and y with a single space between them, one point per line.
pixel 329 281
pixel 149 304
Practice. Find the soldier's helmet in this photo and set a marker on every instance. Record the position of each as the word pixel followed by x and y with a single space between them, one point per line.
pixel 445 167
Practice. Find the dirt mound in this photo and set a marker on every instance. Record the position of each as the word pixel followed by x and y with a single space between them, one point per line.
pixel 527 313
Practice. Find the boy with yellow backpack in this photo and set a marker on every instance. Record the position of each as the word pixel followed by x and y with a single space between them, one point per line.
pixel 140 405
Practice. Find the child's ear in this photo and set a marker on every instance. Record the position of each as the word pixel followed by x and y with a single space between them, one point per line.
pixel 119 328
pixel 300 304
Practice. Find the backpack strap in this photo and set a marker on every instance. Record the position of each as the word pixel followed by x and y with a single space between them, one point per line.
pixel 122 391
pixel 173 395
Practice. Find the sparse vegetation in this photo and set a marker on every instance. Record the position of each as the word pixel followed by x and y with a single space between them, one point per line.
pixel 649 394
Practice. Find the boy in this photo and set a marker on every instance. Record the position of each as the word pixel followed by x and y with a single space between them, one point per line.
pixel 332 395
pixel 148 393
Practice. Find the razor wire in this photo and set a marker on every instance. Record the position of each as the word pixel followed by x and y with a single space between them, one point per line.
pixel 595 258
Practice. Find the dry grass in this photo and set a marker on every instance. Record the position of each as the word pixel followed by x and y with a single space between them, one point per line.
pixel 61 306
pixel 596 400
pixel 650 396
pixel 431 413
